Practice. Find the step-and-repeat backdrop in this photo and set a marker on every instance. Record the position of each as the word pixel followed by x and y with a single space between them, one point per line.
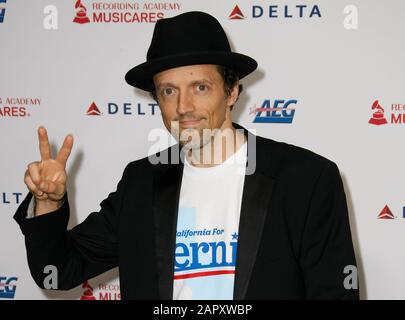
pixel 333 69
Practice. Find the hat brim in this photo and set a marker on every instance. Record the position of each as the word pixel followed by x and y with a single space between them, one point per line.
pixel 141 76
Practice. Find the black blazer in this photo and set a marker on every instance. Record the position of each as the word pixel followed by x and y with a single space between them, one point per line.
pixel 294 235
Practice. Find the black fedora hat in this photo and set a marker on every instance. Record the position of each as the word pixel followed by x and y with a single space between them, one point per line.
pixel 187 39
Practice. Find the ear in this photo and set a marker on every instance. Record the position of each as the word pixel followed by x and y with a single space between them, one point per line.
pixel 233 97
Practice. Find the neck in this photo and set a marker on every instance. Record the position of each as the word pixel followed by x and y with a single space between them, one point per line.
pixel 226 142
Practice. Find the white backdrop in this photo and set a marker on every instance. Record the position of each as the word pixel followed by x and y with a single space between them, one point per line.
pixel 334 57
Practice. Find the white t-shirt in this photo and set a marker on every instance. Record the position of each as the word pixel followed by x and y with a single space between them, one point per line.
pixel 207 229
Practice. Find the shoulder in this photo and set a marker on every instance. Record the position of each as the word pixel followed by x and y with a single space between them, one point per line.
pixel 285 158
pixel 151 163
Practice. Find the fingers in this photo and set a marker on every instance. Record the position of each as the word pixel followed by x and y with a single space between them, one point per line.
pixel 33 170
pixel 65 150
pixel 51 187
pixel 31 185
pixel 44 147
pixel 54 185
pixel 43 188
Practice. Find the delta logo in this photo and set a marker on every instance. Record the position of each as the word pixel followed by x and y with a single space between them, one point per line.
pixel 236 14
pixel 386 213
pixel 274 111
pixel 299 11
pixel 105 292
pixel 93 110
pixel 18 107
pixel 10 198
pixel 122 12
pixel 2 10
pixel 396 115
pixel 8 287
pixel 124 108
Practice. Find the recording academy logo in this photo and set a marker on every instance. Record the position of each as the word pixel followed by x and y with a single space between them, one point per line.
pixel 8 287
pixel 395 116
pixel 123 11
pixel 12 107
pixel 297 11
pixel 124 109
pixel 236 14
pixel 88 292
pixel 81 13
pixel 278 111
pixel 378 117
pixel 104 292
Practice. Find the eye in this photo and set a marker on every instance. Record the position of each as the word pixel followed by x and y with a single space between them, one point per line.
pixel 167 91
pixel 202 87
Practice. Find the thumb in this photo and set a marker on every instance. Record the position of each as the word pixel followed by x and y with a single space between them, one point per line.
pixel 52 187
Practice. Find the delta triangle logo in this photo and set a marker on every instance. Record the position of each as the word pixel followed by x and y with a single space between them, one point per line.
pixel 236 14
pixel 386 213
pixel 93 110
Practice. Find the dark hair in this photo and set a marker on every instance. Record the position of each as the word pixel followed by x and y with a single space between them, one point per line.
pixel 229 76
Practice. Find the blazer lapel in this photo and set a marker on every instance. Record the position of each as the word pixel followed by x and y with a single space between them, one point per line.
pixel 166 192
pixel 255 203
pixel 257 191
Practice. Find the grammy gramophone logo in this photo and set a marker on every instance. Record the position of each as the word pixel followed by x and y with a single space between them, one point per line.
pixel 81 13
pixel 378 117
pixel 88 292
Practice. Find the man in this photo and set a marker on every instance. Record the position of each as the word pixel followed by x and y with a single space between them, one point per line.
pixel 268 220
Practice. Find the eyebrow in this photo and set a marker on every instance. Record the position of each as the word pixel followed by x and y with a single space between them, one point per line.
pixel 201 81
pixel 169 84
pixel 165 84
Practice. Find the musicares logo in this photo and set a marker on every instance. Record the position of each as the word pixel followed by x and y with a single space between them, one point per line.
pixel 378 117
pixel 18 106
pixel 236 14
pixel 81 13
pixel 88 292
pixel 104 292
pixel 123 11
pixel 396 114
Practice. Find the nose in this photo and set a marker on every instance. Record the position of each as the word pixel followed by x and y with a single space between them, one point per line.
pixel 184 103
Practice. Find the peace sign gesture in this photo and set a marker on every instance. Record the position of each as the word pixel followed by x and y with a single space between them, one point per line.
pixel 46 179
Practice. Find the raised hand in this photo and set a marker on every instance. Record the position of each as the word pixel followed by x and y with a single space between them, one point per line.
pixel 46 179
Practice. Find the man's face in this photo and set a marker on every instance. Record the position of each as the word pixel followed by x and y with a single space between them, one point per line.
pixel 193 97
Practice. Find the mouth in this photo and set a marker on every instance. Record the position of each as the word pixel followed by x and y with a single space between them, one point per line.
pixel 189 123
